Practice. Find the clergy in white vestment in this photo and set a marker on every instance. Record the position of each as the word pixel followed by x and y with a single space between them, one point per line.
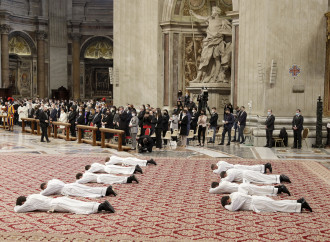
pixel 55 186
pixel 247 176
pixel 89 177
pixel 247 188
pixel 37 202
pixel 239 201
pixel 113 169
pixel 224 166
pixel 128 161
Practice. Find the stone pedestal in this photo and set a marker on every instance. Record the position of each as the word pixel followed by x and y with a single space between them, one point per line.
pixel 41 84
pixel 4 29
pixel 76 65
pixel 219 94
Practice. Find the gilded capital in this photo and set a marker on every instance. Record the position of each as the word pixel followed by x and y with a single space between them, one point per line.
pixel 5 28
pixel 41 35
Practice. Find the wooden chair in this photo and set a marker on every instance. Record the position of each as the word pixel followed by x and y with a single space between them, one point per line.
pixel 175 133
pixel 278 140
pixel 305 135
pixel 209 135
pixel 219 134
pixel 168 138
pixel 248 133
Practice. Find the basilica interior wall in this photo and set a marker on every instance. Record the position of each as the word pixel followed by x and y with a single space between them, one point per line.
pixel 137 52
pixel 299 40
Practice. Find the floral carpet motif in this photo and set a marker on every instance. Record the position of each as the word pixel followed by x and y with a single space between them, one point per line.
pixel 171 203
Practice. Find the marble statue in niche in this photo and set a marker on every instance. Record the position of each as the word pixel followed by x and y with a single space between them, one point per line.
pixel 216 53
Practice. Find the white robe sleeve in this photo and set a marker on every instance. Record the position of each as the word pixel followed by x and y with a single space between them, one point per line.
pixel 53 187
pixel 230 177
pixel 237 201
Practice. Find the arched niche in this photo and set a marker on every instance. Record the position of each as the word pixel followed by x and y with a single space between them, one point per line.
pixel 96 63
pixel 22 63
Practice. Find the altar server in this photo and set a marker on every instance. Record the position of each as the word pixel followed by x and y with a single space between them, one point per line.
pixel 239 201
pixel 223 166
pixel 113 169
pixel 37 202
pixel 246 188
pixel 56 186
pixel 247 176
pixel 129 161
pixel 88 177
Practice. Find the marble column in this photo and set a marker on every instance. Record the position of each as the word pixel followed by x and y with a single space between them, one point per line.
pixel 76 65
pixel 5 29
pixel 327 71
pixel 41 84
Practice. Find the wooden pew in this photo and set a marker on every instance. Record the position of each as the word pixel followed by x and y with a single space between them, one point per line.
pixel 118 146
pixel 33 125
pixel 81 128
pixel 67 130
pixel 4 121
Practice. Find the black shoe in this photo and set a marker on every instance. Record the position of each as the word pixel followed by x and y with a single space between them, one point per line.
pixel 138 169
pixel 151 161
pixel 284 178
pixel 306 206
pixel 301 200
pixel 228 144
pixel 284 189
pixel 210 142
pixel 106 206
pixel 48 141
pixel 221 143
pixel 293 147
pixel 266 145
pixel 234 140
pixel 42 141
pixel 269 167
pixel 131 179
pixel 110 192
pixel 198 145
pixel 270 147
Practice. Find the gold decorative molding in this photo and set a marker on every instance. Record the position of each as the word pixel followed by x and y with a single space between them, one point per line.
pixel 99 49
pixel 18 46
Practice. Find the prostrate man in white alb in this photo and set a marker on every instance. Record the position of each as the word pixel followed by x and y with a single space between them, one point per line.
pixel 128 161
pixel 247 188
pixel 113 169
pixel 37 202
pixel 223 166
pixel 56 186
pixel 88 177
pixel 237 175
pixel 239 201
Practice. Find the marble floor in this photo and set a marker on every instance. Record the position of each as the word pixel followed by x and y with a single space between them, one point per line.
pixel 20 143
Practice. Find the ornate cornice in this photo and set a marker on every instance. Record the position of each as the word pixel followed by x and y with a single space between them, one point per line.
pixel 5 28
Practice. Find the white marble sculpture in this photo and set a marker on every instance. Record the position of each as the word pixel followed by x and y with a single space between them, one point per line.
pixel 216 53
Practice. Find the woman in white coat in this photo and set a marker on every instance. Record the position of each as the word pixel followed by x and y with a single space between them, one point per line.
pixel 22 113
pixel 63 118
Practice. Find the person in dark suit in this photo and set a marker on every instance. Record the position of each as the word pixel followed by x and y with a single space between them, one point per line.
pixel 158 119
pixel 107 121
pixel 184 128
pixel 213 123
pixel 44 122
pixel 123 116
pixel 241 125
pixel 269 128
pixel 297 126
pixel 97 122
pixel 81 121
pixel 228 124
pixel 166 119
pixel 54 113
pixel 72 120
pixel 236 116
pixel 145 143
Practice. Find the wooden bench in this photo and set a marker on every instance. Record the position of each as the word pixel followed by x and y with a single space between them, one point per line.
pixel 82 128
pixel 33 125
pixel 3 118
pixel 118 146
pixel 67 131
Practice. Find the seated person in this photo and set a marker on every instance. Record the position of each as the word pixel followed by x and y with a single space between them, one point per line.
pixel 37 202
pixel 145 144
pixel 104 178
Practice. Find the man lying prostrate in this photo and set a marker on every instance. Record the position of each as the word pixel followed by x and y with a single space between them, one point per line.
pixel 113 169
pixel 239 201
pixel 37 202
pixel 223 166
pixel 88 177
pixel 237 175
pixel 246 188
pixel 128 161
pixel 56 186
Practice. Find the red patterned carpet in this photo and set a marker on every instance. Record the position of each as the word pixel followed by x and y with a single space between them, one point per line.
pixel 170 203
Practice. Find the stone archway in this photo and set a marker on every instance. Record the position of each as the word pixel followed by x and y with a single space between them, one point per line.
pixel 96 58
pixel 22 64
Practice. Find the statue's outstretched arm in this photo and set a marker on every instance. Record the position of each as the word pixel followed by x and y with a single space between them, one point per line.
pixel 198 16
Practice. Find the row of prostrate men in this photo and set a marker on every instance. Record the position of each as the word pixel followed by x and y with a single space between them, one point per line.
pixel 236 180
pixel 116 170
